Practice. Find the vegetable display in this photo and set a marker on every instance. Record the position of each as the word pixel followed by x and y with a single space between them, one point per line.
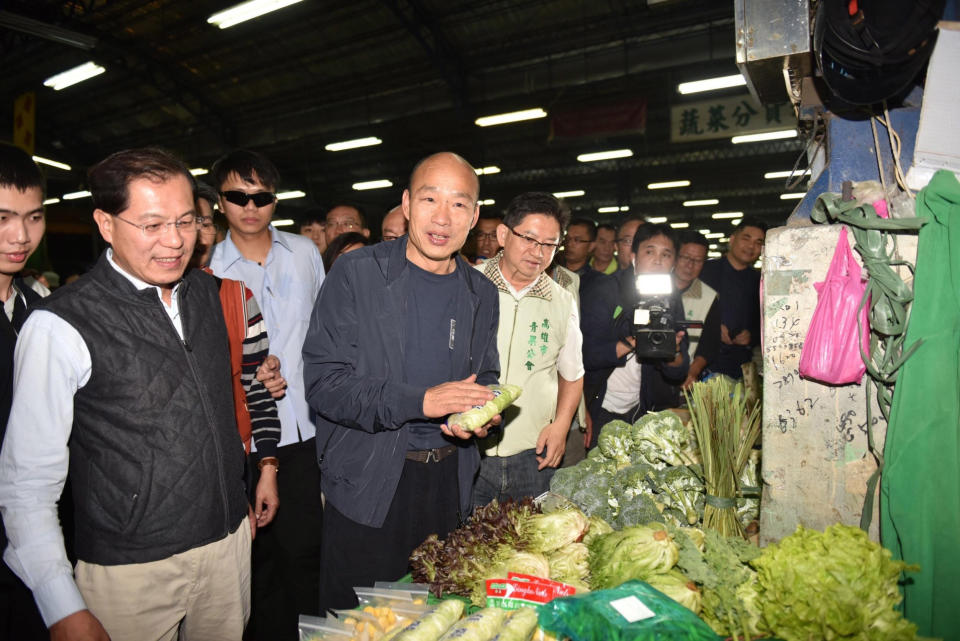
pixel 631 553
pixel 648 471
pixel 474 419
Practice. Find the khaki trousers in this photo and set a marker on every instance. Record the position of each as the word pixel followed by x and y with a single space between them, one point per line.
pixel 202 594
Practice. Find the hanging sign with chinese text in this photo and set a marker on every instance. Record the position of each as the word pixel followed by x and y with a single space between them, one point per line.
pixel 727 117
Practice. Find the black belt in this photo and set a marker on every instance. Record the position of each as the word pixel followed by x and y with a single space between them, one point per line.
pixel 431 456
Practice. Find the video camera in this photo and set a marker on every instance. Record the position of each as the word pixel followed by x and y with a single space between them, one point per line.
pixel 654 327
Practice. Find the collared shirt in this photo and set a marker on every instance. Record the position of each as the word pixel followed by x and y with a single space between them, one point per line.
pixel 570 358
pixel 285 286
pixel 10 302
pixel 51 362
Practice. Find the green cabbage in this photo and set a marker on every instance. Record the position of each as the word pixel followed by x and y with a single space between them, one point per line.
pixel 597 528
pixel 631 553
pixel 570 564
pixel 549 532
pixel 679 588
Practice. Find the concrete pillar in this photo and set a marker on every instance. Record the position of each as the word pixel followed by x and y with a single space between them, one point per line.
pixel 815 459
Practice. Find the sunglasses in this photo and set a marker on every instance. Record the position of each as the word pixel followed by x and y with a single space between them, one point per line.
pixel 241 198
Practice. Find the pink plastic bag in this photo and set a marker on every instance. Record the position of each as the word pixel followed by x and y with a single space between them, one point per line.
pixel 831 350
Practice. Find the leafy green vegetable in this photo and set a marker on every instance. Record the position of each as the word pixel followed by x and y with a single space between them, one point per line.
pixel 597 528
pixel 491 535
pixel 569 563
pixel 532 563
pixel 679 588
pixel 718 564
pixel 638 509
pixel 837 584
pixel 549 532
pixel 632 553
pixel 474 419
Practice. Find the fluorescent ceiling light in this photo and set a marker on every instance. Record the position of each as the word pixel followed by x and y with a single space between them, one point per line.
pixel 657 219
pixel 569 194
pixel 72 76
pixel 736 222
pixel 679 225
pixel 608 210
pixel 372 184
pixel 714 254
pixel 716 234
pixel 199 171
pixel 767 135
pixel 713 246
pixel 287 195
pixel 669 184
pixel 704 231
pixel 51 201
pixel 513 116
pixel 796 196
pixel 356 143
pixel 247 11
pixel 282 222
pixel 605 155
pixel 773 175
pixel 700 203
pixel 727 214
pixel 488 201
pixel 712 84
pixel 486 171
pixel 74 195
pixel 52 163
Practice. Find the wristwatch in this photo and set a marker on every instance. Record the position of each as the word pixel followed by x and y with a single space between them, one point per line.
pixel 269 460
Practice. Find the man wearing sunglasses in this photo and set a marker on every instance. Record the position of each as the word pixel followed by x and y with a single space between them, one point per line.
pixel 285 272
pixel 136 402
pixel 541 350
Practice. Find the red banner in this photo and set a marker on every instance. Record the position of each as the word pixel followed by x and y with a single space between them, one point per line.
pixel 623 117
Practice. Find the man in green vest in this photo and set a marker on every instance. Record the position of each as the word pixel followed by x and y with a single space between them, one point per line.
pixel 540 347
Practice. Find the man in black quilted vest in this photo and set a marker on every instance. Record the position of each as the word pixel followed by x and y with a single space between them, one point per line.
pixel 123 378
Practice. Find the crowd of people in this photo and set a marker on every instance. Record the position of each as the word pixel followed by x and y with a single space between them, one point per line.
pixel 215 430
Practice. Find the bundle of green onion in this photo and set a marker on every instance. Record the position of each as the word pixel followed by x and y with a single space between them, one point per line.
pixel 726 427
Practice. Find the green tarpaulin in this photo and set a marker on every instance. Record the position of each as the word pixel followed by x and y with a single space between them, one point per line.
pixel 920 487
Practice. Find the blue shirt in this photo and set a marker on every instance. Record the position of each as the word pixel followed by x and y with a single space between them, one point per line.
pixel 429 333
pixel 286 286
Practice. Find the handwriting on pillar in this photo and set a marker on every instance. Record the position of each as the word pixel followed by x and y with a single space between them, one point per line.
pixel 784 338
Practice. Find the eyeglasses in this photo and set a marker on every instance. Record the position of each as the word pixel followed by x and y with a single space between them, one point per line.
pixel 343 224
pixel 625 240
pixel 241 198
pixel 207 225
pixel 390 237
pixel 532 243
pixel 691 259
pixel 487 235
pixel 155 230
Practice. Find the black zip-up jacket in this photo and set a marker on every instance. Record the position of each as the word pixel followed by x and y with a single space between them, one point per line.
pixel 156 461
pixel 353 374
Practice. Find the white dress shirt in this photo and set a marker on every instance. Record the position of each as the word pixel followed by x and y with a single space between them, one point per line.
pixel 51 362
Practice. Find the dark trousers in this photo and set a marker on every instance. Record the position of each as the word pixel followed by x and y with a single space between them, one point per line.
pixel 285 580
pixel 602 416
pixel 426 502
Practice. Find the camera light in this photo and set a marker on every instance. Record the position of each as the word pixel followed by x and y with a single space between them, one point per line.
pixel 654 284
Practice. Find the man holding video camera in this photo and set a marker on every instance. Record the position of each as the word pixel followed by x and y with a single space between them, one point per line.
pixel 634 349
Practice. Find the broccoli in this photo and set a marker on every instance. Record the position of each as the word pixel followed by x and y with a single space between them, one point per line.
pixel 638 510
pixel 661 438
pixel 593 497
pixel 566 480
pixel 615 442
pixel 632 480
pixel 681 489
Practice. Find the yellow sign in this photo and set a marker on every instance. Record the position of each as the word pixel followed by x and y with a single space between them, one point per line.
pixel 727 117
pixel 25 121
